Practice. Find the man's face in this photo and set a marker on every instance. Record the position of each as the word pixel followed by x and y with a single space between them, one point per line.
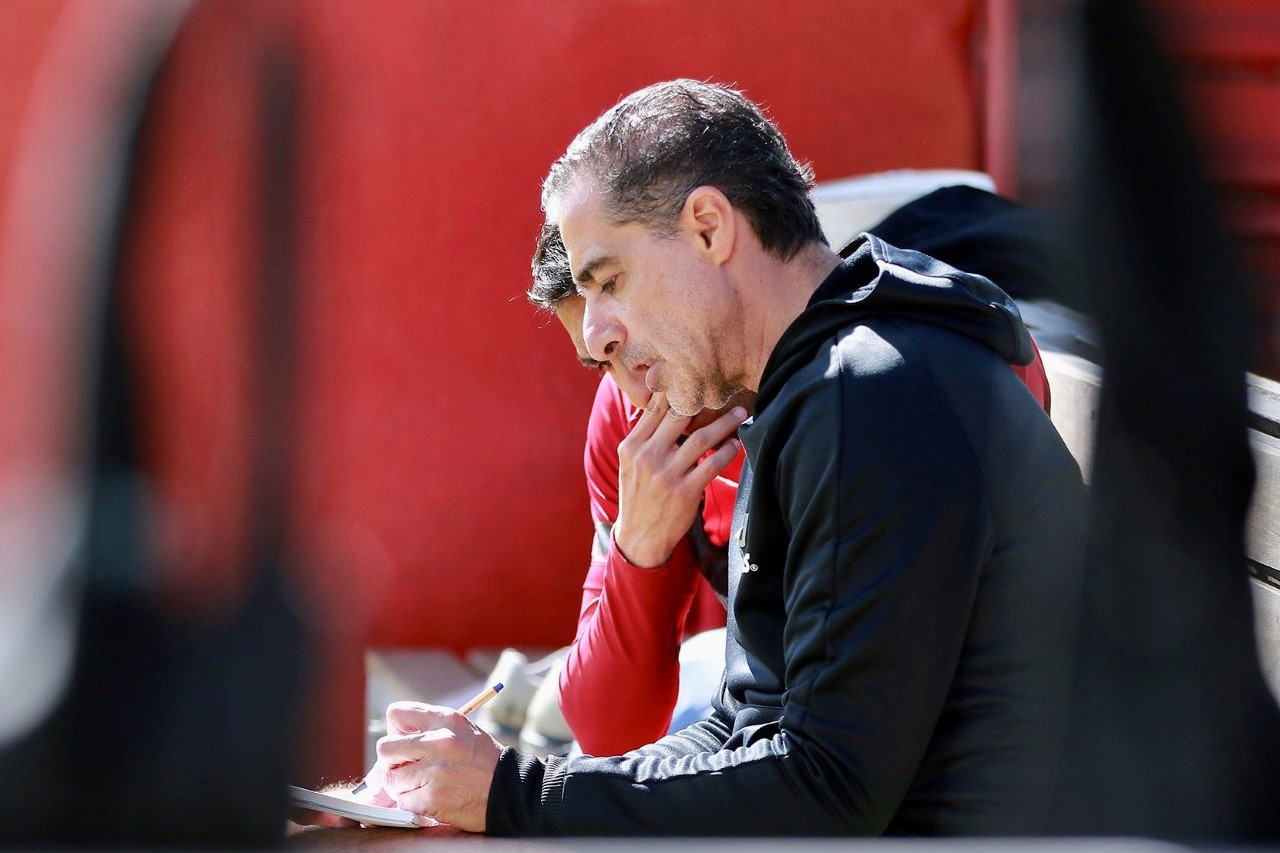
pixel 569 312
pixel 655 307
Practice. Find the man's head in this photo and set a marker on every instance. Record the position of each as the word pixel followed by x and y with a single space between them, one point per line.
pixel 647 153
pixel 675 207
pixel 552 280
pixel 553 290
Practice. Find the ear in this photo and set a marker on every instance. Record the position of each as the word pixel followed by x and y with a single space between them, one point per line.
pixel 709 216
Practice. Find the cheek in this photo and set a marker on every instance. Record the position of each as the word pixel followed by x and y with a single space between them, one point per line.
pixel 633 387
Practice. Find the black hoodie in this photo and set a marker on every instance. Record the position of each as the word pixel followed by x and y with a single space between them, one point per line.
pixel 903 576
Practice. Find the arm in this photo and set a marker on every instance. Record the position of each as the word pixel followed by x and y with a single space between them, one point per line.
pixel 621 677
pixel 871 596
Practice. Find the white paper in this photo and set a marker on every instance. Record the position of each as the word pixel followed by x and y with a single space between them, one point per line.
pixel 362 812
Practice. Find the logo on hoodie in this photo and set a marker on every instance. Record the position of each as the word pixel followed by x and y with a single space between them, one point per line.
pixel 747 565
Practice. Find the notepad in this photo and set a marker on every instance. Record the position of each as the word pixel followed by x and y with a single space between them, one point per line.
pixel 362 812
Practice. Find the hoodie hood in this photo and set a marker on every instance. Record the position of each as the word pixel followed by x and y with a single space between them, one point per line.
pixel 1015 246
pixel 877 279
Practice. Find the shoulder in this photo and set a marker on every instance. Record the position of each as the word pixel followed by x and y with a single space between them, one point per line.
pixel 893 361
pixel 873 402
pixel 874 360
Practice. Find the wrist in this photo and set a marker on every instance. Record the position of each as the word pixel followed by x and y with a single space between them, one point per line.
pixel 636 554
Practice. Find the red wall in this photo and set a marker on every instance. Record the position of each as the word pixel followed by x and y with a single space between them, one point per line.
pixel 441 500
pixel 1228 53
pixel 451 419
pixel 1226 59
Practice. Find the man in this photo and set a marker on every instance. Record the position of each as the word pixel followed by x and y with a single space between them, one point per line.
pixel 904 558
pixel 623 672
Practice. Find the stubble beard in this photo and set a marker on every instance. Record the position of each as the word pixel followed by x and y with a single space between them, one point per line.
pixel 710 393
pixel 692 393
pixel 688 393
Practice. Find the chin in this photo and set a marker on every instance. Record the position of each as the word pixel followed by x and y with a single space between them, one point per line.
pixel 684 405
pixel 691 401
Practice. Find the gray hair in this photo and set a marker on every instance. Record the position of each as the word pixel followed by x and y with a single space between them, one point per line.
pixel 647 153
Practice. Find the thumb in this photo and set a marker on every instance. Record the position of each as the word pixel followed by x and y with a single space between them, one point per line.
pixel 375 793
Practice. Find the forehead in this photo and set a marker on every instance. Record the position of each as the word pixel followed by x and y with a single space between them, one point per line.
pixel 586 230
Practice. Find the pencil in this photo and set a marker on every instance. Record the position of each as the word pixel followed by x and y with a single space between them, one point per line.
pixel 473 704
pixel 480 699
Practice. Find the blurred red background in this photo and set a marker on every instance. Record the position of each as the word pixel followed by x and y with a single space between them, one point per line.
pixel 440 498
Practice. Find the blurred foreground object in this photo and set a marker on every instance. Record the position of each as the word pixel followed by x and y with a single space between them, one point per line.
pixel 1174 734
pixel 127 720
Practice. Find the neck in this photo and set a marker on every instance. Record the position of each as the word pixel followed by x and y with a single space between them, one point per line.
pixel 774 295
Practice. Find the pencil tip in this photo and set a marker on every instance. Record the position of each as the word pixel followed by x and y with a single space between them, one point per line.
pixel 497 687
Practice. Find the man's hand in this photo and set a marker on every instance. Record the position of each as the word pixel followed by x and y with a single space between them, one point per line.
pixel 660 481
pixel 435 762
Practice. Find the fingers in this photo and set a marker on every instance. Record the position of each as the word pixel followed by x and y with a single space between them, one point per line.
pixel 713 435
pixel 395 750
pixel 659 421
pixel 672 424
pixel 650 417
pixel 416 729
pixel 442 773
pixel 661 481
pixel 374 792
pixel 660 464
pixel 707 470
pixel 412 717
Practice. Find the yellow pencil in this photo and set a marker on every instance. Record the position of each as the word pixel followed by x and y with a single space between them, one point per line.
pixel 473 704
pixel 480 698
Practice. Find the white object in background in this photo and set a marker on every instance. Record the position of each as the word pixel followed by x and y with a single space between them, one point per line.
pixel 545 731
pixel 849 206
pixel 701 673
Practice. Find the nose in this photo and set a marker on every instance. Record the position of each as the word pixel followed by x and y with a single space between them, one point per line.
pixel 601 331
pixel 603 334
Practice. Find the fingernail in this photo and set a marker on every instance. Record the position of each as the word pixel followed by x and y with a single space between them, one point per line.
pixel 740 413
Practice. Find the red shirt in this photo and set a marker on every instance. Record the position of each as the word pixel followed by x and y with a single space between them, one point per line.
pixel 619 682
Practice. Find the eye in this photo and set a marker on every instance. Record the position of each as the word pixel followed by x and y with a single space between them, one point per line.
pixel 610 285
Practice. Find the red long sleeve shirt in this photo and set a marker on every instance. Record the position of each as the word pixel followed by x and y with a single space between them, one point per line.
pixel 620 680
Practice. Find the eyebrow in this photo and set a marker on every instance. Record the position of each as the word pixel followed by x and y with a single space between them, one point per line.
pixel 589 270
